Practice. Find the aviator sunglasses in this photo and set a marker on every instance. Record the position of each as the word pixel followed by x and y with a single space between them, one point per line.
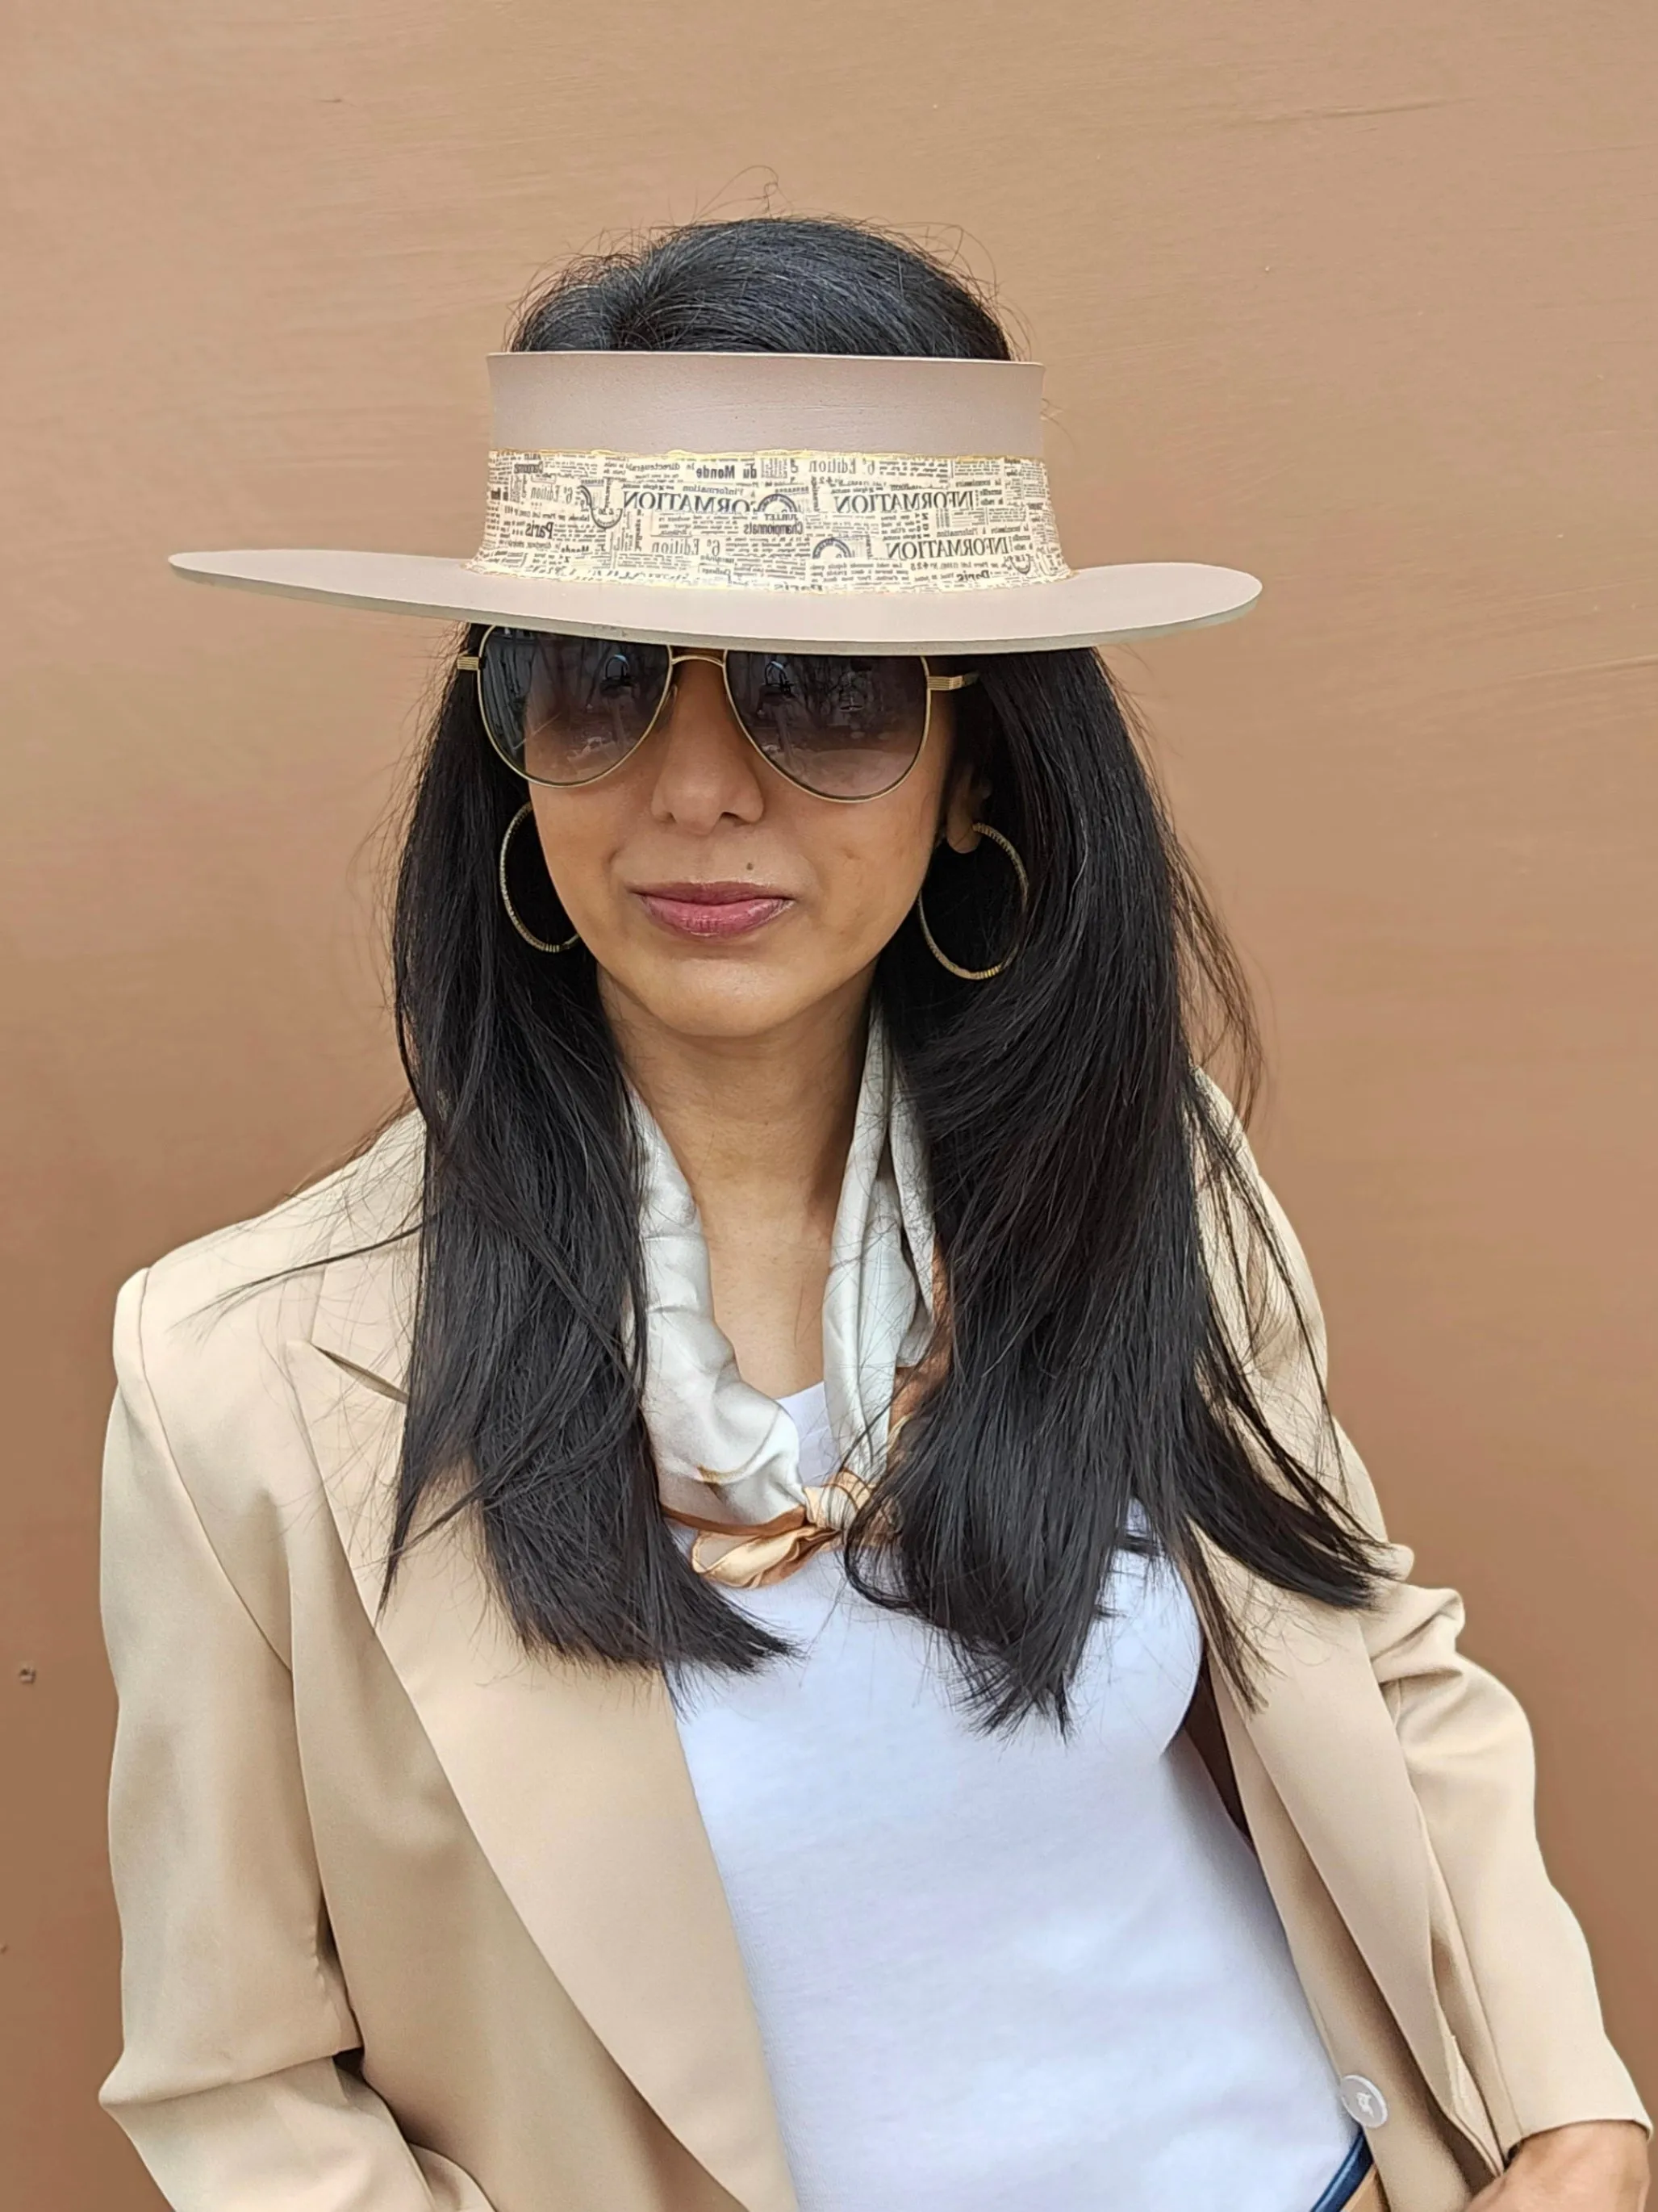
pixel 567 710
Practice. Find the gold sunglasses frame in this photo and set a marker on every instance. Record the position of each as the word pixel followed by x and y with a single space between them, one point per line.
pixel 717 655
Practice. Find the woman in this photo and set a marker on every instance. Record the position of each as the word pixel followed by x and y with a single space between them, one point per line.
pixel 758 1604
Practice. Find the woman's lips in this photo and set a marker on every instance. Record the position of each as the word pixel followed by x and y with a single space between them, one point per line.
pixel 712 909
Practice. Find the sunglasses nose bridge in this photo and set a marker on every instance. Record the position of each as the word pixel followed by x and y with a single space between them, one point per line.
pixel 715 659
pixel 678 656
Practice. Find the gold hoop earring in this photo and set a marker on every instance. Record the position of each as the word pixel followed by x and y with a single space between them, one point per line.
pixel 529 936
pixel 980 974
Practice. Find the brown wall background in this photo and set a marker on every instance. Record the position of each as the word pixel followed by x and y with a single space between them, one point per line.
pixel 1358 299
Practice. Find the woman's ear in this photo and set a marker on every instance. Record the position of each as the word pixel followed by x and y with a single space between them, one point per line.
pixel 970 792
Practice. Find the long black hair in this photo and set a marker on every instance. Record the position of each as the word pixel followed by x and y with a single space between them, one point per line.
pixel 1087 1370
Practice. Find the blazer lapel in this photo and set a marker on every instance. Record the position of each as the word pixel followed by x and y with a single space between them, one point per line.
pixel 571 1778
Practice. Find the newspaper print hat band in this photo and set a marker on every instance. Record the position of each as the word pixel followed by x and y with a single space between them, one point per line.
pixel 873 504
pixel 773 521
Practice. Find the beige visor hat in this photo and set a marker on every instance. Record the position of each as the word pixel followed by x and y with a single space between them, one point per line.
pixel 859 504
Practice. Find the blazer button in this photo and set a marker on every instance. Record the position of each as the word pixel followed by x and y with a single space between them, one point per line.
pixel 1362 2100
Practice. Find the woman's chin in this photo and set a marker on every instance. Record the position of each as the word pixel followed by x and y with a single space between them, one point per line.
pixel 704 995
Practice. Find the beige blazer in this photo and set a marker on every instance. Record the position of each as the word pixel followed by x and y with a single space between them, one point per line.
pixel 412 1923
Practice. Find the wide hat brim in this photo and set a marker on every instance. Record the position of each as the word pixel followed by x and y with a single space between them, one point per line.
pixel 1092 607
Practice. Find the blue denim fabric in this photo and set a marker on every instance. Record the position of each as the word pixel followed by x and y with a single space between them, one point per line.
pixel 1348 2178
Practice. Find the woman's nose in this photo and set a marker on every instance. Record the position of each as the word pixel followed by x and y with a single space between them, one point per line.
pixel 705 768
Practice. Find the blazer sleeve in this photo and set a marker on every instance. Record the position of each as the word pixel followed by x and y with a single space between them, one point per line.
pixel 234 2008
pixel 1468 1748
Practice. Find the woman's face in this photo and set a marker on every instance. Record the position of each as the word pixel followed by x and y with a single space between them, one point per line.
pixel 719 898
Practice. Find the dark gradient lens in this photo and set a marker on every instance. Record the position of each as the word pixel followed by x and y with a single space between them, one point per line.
pixel 565 709
pixel 845 725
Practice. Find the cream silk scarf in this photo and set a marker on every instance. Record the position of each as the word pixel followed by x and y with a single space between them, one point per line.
pixel 728 1457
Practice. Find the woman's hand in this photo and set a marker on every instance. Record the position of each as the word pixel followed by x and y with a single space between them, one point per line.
pixel 1594 2165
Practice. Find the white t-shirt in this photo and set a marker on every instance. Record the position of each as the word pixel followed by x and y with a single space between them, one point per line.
pixel 1006 1973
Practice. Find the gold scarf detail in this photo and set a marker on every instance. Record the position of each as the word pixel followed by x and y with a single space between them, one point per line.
pixel 748 1558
